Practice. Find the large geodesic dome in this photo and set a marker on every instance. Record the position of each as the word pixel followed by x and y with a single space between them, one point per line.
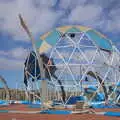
pixel 81 57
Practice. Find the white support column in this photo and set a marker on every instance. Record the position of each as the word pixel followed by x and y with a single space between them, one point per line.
pixel 44 90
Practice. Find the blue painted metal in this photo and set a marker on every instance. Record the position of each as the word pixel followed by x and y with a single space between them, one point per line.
pixel 74 99
pixel 99 105
pixel 116 114
pixel 4 111
pixel 53 37
pixel 90 89
pixel 38 43
pixel 58 112
pixel 100 41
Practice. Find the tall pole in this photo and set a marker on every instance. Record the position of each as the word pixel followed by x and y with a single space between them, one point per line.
pixel 23 24
pixel 16 95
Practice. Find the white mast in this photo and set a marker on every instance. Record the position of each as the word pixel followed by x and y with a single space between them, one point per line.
pixel 42 73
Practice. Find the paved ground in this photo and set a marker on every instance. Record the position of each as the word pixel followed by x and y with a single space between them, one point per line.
pixel 12 116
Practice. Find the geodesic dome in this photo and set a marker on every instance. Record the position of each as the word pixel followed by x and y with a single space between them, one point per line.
pixel 82 57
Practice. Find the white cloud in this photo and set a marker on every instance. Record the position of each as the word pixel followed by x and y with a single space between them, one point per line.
pixel 45 3
pixel 65 4
pixel 103 14
pixel 85 14
pixel 46 20
pixel 19 53
pixel 10 64
pixel 13 59
pixel 16 53
pixel 113 24
pixel 39 19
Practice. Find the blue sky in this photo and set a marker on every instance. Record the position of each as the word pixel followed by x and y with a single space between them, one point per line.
pixel 44 15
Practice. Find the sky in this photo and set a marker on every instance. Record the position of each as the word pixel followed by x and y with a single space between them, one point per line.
pixel 44 15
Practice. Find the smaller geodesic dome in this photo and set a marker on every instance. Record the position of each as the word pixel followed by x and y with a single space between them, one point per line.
pixel 32 70
pixel 82 56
